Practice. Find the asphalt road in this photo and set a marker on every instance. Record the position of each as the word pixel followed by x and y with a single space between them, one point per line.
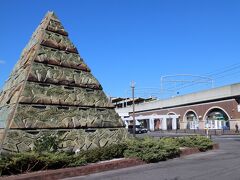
pixel 222 164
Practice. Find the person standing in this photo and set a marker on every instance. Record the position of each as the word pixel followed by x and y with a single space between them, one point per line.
pixel 236 127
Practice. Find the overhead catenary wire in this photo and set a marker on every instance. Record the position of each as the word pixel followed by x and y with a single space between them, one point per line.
pixel 224 74
pixel 212 75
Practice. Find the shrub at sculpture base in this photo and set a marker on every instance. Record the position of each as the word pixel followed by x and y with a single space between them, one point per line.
pixel 148 149
pixel 19 163
pixel 200 142
pixel 152 150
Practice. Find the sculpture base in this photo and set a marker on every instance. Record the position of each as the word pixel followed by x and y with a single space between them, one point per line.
pixel 68 139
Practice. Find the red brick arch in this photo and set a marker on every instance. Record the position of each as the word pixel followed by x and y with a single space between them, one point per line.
pixel 190 110
pixel 171 113
pixel 216 107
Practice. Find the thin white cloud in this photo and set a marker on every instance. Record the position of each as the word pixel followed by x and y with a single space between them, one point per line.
pixel 2 62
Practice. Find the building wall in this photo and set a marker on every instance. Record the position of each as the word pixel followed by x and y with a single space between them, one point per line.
pixel 230 107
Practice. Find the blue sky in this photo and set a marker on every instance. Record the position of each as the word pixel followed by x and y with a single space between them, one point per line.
pixel 140 40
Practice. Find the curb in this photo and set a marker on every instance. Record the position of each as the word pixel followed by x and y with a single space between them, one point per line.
pixel 76 171
pixel 91 168
pixel 189 151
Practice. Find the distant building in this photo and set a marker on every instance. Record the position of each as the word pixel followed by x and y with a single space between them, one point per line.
pixel 122 103
pixel 217 108
pixel 126 102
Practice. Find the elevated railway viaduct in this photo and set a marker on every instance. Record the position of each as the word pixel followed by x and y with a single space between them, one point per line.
pixel 217 108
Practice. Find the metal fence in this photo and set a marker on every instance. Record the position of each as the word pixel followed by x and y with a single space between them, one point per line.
pixel 202 131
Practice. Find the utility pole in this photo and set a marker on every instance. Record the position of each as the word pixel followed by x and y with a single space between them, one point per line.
pixel 133 106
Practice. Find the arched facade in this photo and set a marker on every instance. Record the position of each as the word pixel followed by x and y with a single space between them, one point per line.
pixel 170 120
pixel 216 118
pixel 191 120
pixel 171 113
pixel 197 116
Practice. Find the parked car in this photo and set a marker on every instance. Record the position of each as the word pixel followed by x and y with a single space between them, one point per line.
pixel 138 129
pixel 144 130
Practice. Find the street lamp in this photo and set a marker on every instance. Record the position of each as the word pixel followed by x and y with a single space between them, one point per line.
pixel 133 106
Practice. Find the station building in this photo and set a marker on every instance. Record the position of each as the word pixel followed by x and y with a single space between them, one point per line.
pixel 217 108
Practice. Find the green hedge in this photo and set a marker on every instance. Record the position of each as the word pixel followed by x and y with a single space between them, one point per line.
pixel 147 149
pixel 34 161
pixel 152 150
pixel 201 142
pixel 99 154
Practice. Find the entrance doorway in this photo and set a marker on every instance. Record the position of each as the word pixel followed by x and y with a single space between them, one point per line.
pixel 169 123
pixel 217 119
pixel 178 123
pixel 157 124
pixel 192 120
